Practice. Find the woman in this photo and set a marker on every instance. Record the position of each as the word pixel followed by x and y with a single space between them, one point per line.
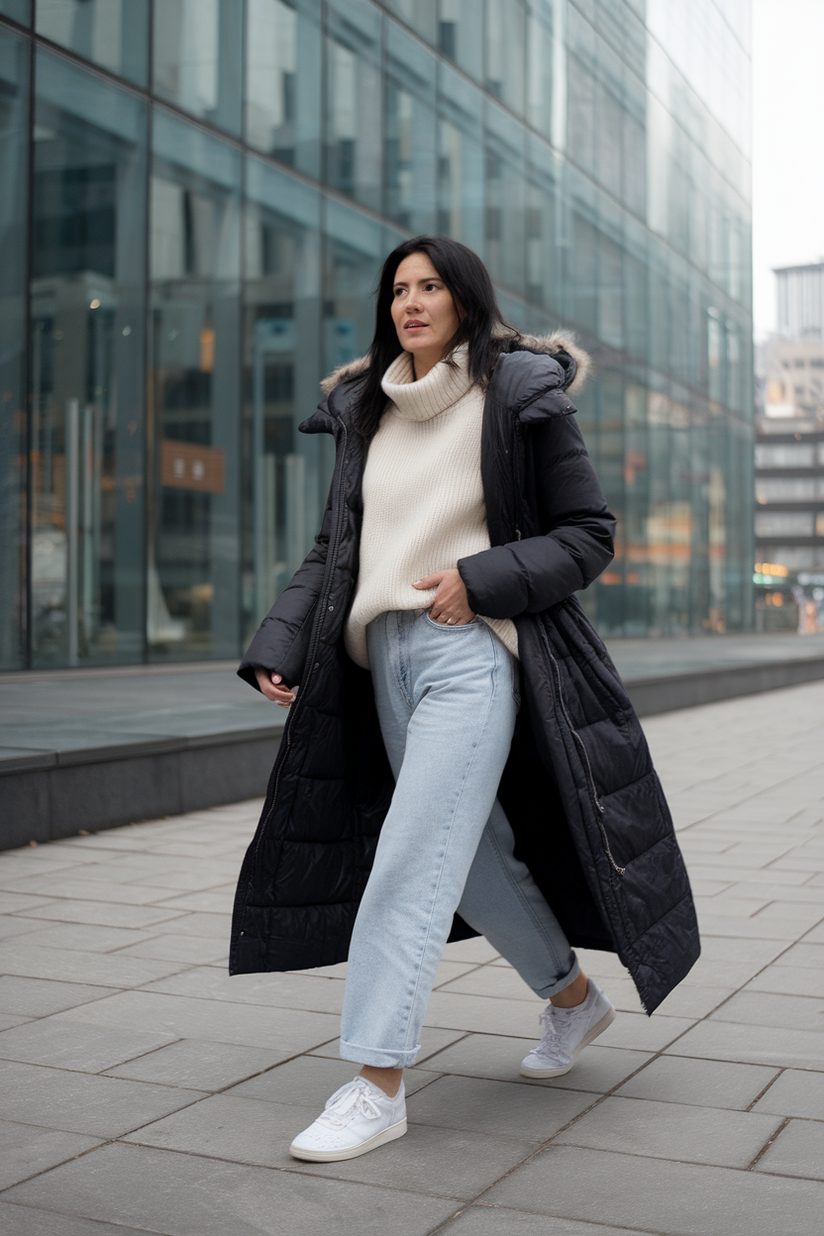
pixel 412 796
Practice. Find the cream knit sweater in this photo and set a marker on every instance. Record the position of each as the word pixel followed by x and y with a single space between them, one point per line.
pixel 423 502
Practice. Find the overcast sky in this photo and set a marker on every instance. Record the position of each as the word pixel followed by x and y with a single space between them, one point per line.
pixel 788 143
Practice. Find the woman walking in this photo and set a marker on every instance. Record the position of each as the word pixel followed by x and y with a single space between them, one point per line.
pixel 414 795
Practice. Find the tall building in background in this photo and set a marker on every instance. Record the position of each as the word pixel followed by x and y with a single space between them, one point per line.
pixel 195 198
pixel 800 297
pixel 789 458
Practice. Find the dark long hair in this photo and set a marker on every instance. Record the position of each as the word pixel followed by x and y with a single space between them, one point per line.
pixel 482 326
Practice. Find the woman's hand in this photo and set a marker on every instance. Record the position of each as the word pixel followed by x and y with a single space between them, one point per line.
pixel 269 683
pixel 450 605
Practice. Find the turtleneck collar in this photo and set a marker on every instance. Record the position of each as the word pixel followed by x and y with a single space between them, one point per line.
pixel 442 387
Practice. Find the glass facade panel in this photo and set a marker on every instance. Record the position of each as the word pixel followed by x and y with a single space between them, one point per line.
pixel 460 191
pixel 18 10
pixel 409 168
pixel 505 58
pixel 594 154
pixel 111 33
pixel 193 585
pixel 198 57
pixel 87 364
pixel 283 72
pixel 284 478
pixel 421 15
pixel 461 35
pixel 353 100
pixel 14 141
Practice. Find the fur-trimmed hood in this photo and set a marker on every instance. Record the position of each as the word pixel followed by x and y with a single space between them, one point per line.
pixel 560 344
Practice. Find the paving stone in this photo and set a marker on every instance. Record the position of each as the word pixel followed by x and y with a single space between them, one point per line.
pixel 29 1221
pixel 486 1220
pixel 803 954
pixel 797 1151
pixel 13 903
pixel 656 1195
pixel 764 1009
pixel 186 1195
pixel 32 997
pixel 198 1064
pixel 789 981
pixel 7 1021
pixel 510 1110
pixel 237 1129
pixel 214 901
pixel 795 1093
pixel 673 1131
pixel 107 914
pixel 637 1032
pixel 309 1080
pixel 444 1162
pixel 596 1070
pixel 192 949
pixel 476 949
pixel 12 927
pixel 75 1045
pixel 770 1045
pixel 26 1150
pixel 296 991
pixel 82 1102
pixel 286 1031
pixel 203 926
pixel 76 889
pixel 83 937
pixel 706 1083
pixel 71 965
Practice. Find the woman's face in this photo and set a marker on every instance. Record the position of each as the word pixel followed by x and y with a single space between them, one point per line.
pixel 423 311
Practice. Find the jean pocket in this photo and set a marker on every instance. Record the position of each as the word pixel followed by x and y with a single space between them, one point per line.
pixel 450 626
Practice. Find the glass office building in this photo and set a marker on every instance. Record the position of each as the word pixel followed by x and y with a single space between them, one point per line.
pixel 195 198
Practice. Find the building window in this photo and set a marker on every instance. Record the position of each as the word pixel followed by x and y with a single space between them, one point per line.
pixel 784 456
pixel 111 33
pixel 194 550
pixel 198 52
pixel 784 523
pixel 88 360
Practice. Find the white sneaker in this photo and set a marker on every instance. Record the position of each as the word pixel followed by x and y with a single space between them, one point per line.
pixel 358 1118
pixel 567 1032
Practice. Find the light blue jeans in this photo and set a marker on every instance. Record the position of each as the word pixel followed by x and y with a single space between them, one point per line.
pixel 446 699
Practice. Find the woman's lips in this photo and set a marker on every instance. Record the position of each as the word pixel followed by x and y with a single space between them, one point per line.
pixel 415 326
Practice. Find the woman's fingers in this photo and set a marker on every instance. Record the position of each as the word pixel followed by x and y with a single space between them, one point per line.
pixel 271 685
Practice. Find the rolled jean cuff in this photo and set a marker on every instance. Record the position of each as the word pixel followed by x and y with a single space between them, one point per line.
pixel 378 1057
pixel 560 984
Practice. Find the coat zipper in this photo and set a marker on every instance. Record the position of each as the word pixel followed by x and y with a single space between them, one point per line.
pixel 599 806
pixel 322 600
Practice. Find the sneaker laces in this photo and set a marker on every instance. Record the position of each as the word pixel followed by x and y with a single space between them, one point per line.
pixel 351 1100
pixel 552 1034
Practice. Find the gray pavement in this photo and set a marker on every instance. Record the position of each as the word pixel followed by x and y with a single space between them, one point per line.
pixel 143 1090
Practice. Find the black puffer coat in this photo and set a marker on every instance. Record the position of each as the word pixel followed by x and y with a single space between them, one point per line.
pixel 579 788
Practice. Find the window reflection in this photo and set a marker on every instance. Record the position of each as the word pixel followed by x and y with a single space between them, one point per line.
pixel 87 365
pixel 461 34
pixel 193 574
pixel 19 10
pixel 112 33
pixel 284 490
pixel 353 138
pixel 505 204
pixel 13 177
pixel 460 189
pixel 283 72
pixel 198 53
pixel 505 69
pixel 409 166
